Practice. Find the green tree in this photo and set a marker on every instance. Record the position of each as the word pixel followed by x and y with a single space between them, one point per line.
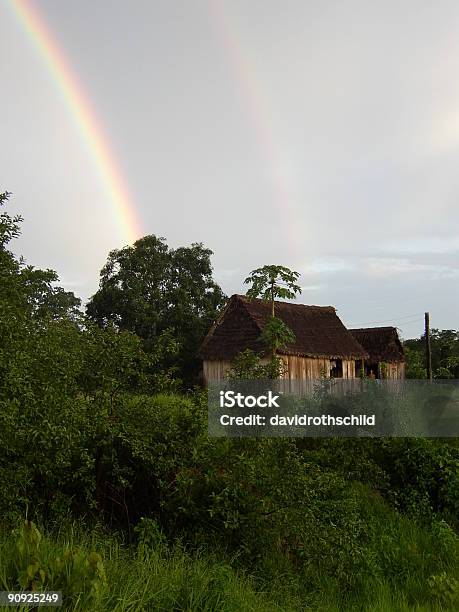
pixel 268 283
pixel 27 289
pixel 150 289
pixel 59 379
pixel 114 362
pixel 414 364
pixel 271 282
pixel 445 354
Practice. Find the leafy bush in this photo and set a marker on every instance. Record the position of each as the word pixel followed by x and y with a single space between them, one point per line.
pixel 423 475
pixel 247 365
pixel 27 565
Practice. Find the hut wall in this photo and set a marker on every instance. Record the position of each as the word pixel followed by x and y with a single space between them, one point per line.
pixel 215 370
pixel 313 368
pixel 348 368
pixel 305 368
pixel 298 368
pixel 395 371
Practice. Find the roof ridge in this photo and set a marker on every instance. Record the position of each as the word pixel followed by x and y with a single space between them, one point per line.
pixel 392 327
pixel 246 299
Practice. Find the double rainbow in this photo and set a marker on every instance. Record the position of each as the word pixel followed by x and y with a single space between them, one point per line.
pixel 90 126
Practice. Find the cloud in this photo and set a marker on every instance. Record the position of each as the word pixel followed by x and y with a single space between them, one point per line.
pixel 423 245
pixel 313 287
pixel 328 266
pixel 389 267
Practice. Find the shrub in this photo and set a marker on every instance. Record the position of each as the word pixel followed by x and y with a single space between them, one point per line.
pixel 27 565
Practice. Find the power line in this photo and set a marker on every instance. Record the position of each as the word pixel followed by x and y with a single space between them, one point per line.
pixel 414 317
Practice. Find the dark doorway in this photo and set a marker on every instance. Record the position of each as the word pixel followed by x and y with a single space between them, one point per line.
pixel 372 370
pixel 336 368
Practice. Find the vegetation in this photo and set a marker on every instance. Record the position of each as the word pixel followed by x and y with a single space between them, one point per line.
pixel 160 294
pixel 445 355
pixel 248 365
pixel 113 492
pixel 269 283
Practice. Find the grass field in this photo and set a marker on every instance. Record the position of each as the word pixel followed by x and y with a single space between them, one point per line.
pixel 406 568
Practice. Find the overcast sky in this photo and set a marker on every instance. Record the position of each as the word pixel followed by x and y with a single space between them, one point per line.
pixel 323 136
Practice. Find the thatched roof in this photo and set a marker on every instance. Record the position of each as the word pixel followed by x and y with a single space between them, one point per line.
pixel 318 331
pixel 381 343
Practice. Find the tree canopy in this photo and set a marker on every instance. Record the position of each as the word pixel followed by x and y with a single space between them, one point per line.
pixel 151 289
pixel 27 289
pixel 444 345
pixel 271 282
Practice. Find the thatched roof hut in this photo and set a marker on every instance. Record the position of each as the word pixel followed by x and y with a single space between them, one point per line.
pixel 320 338
pixel 384 348
pixel 381 343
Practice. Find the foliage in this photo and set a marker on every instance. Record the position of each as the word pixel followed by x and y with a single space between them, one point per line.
pixel 268 283
pixel 25 290
pixel 150 289
pixel 417 476
pixel 9 227
pixel 271 282
pixel 415 367
pixel 248 365
pixel 59 379
pixel 444 350
pixel 156 577
pixel 148 441
pixel 276 334
pixel 423 476
pixel 404 566
pixel 79 574
pixel 115 361
pixel 445 589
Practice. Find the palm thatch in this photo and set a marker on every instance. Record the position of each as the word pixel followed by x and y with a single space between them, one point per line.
pixel 381 343
pixel 318 331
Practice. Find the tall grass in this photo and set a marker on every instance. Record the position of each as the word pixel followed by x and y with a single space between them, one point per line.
pixel 407 568
pixel 402 558
pixel 143 578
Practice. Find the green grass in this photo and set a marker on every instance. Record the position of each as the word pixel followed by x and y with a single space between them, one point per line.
pixel 144 579
pixel 406 567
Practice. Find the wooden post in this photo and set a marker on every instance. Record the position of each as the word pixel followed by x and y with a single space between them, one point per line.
pixel 428 351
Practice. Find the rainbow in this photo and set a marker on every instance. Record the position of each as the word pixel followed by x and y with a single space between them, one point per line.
pixel 257 108
pixel 86 121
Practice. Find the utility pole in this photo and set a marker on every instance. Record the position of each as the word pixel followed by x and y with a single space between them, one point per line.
pixel 428 351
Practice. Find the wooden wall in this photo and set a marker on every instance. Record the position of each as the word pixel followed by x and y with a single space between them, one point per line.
pixel 395 371
pixel 302 368
pixel 215 370
pixel 389 371
pixel 310 368
pixel 348 368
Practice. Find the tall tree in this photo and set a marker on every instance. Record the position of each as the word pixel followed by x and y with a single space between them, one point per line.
pixel 271 282
pixel 151 289
pixel 268 283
